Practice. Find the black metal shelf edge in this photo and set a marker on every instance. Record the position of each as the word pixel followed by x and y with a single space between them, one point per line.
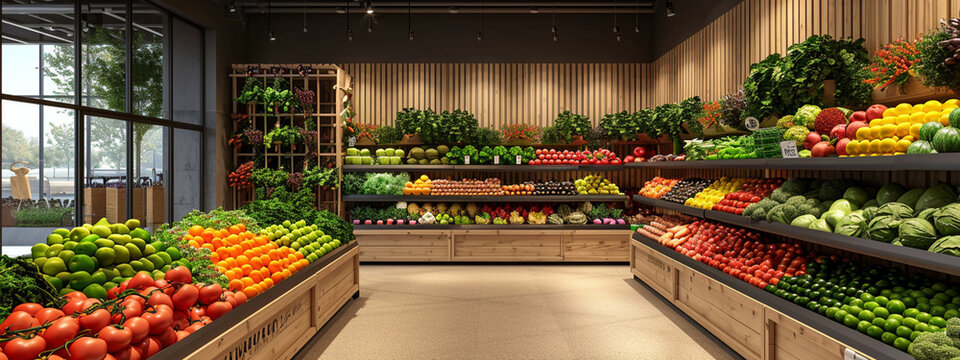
pixel 904 255
pixel 669 205
pixel 490 168
pixel 923 162
pixel 490 227
pixel 861 342
pixel 478 198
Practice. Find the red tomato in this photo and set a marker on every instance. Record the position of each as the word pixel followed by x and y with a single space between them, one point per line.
pixel 24 349
pixel 167 337
pixel 231 298
pixel 179 274
pixel 141 280
pixel 95 320
pixel 139 328
pixel 30 308
pixel 88 348
pixel 217 309
pixel 75 295
pixel 186 296
pixel 129 308
pixel 128 353
pixel 194 327
pixel 117 339
pixel 167 289
pixel 210 293
pixel 60 331
pixel 160 318
pixel 149 346
pixel 48 314
pixel 159 298
pixel 18 320
pixel 196 313
pixel 182 334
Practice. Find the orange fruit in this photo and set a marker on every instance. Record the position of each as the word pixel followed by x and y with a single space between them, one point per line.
pixel 247 282
pixel 286 273
pixel 250 292
pixel 255 275
pixel 223 253
pixel 242 260
pixel 292 268
pixel 217 243
pixel 195 230
pixel 207 235
pixel 247 269
pixel 208 246
pixel 247 235
pixel 277 277
pixel 235 285
pixel 256 263
pixel 241 227
pixel 194 244
pixel 233 229
pixel 269 282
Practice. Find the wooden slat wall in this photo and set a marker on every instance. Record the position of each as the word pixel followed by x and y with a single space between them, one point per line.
pixel 715 60
pixel 498 94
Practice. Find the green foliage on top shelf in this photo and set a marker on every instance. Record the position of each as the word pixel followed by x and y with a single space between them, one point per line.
pixel 387 135
pixel 487 137
pixel 286 135
pixel 447 127
pixel 549 135
pixel 268 178
pixel 933 69
pixel 569 124
pixel 317 176
pixel 251 91
pixel 780 85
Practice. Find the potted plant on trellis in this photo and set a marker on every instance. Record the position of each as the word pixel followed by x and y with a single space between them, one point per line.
pixel 283 136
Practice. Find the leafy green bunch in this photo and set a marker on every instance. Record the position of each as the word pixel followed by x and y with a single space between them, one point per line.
pixel 318 176
pixel 387 135
pixel 21 282
pixel 286 135
pixel 448 127
pixel 933 68
pixel 268 178
pixel 279 98
pixel 621 126
pixel 569 124
pixel 251 91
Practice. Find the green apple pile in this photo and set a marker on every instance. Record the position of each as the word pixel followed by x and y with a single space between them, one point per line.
pixel 358 157
pixel 309 240
pixel 596 184
pixel 95 258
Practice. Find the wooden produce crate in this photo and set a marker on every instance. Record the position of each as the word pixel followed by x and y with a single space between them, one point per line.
pixel 116 209
pixel 277 323
pixel 507 245
pixel 752 322
pixel 94 204
pixel 596 245
pixel 404 245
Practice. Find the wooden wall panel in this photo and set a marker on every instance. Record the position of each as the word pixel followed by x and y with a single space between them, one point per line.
pixel 498 94
pixel 714 61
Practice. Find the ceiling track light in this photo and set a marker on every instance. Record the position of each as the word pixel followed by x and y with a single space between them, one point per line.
pixel 369 26
pixel 349 30
pixel 270 33
pixel 369 6
pixel 616 26
pixel 482 15
pixel 272 36
pixel 553 23
pixel 305 16
pixel 671 11
pixel 636 13
pixel 409 22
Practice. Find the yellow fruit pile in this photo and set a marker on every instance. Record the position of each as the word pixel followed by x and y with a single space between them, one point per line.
pixel 899 127
pixel 710 196
pixel 421 186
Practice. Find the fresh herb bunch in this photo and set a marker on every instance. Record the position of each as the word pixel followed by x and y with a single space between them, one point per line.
pixel 286 135
pixel 487 137
pixel 601 211
pixel 621 126
pixel 939 65
pixel 21 282
pixel 549 135
pixel 448 127
pixel 671 118
pixel 387 135
pixel 760 90
pixel 317 176
pixel 353 183
pixel 278 97
pixel 384 183
pixel 732 107
pixel 251 91
pixel 892 64
pixel 268 178
pixel 520 132
pixel 408 120
pixel 273 206
pixel 333 225
pixel 569 124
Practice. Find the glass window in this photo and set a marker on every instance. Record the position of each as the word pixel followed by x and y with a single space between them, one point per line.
pixel 36 36
pixel 105 171
pixel 38 194
pixel 103 55
pixel 149 142
pixel 149 56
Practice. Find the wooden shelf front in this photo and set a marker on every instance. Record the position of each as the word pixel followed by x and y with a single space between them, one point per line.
pixel 493 245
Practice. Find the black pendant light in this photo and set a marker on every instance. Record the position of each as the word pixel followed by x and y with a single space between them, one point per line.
pixel 480 30
pixel 409 22
pixel 349 30
pixel 553 20
pixel 270 34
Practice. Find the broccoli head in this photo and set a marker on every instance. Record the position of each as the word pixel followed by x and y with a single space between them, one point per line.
pixel 795 186
pixel 786 122
pixel 759 214
pixel 953 328
pixel 795 200
pixel 783 213
pixel 780 195
pixel 934 346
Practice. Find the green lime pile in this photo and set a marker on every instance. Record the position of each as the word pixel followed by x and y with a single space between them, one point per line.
pixel 96 258
pixel 309 240
pixel 881 302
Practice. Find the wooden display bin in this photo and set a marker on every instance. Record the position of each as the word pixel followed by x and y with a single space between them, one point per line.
pixel 753 328
pixel 94 204
pixel 116 209
pixel 277 323
pixel 404 244
pixel 156 205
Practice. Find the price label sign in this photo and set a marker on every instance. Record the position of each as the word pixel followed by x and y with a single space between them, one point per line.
pixel 751 123
pixel 519 160
pixel 496 159
pixel 466 159
pixel 788 149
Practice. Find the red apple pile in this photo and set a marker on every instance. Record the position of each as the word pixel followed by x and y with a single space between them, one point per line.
pixel 640 154
pixel 568 157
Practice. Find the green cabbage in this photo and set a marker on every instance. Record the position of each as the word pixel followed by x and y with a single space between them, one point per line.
pixel 883 228
pixel 949 245
pixel 833 216
pixel 820 225
pixel 843 205
pixel 936 196
pixel 927 214
pixel 889 193
pixel 895 209
pixel 851 225
pixel 917 233
pixel 871 202
pixel 856 195
pixel 947 219
pixel 869 213
pixel 910 197
pixel 803 221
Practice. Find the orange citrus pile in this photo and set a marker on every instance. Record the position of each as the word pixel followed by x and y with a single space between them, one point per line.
pixel 251 262
pixel 421 186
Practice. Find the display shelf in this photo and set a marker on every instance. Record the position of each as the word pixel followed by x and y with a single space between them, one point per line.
pixel 480 168
pixel 491 227
pixel 900 254
pixel 278 322
pixel 837 331
pixel 931 162
pixel 483 198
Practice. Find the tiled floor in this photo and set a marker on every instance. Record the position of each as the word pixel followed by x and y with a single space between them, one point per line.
pixel 507 312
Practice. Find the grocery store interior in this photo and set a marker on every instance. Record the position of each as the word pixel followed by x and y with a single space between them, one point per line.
pixel 360 179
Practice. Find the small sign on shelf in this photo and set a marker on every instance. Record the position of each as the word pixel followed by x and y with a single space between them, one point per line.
pixel 788 149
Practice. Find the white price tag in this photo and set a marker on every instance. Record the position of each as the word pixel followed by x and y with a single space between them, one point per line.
pixel 788 149
pixel 519 160
pixel 466 159
pixel 496 159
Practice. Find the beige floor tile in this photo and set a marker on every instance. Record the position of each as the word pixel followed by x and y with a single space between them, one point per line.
pixel 507 312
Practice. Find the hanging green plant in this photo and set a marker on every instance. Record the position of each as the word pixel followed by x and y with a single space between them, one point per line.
pixel 252 91
pixel 283 135
pixel 939 52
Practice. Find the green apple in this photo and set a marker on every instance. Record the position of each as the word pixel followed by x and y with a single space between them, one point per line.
pixel 104 243
pixel 174 253
pixel 103 222
pixel 149 250
pixel 80 279
pixel 66 255
pixel 64 233
pixel 53 250
pixel 135 252
pixel 69 245
pixel 122 254
pixel 106 256
pixel 101 231
pixel 142 245
pixel 81 262
pixel 86 248
pixel 54 239
pixel 126 270
pixel 121 229
pixel 98 278
pixel 132 223
pixel 39 250
pixel 90 238
pixel 79 233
